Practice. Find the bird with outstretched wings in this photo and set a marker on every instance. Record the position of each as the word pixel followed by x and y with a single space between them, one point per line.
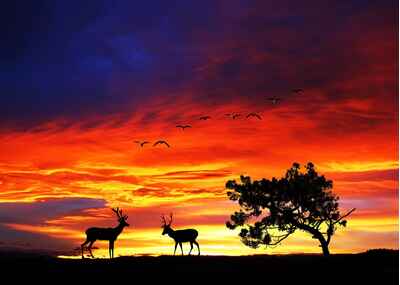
pixel 204 118
pixel 274 100
pixel 298 90
pixel 253 115
pixel 183 127
pixel 161 142
pixel 141 143
pixel 234 116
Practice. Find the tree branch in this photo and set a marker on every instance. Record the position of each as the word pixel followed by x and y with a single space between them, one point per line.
pixel 330 231
pixel 318 224
pixel 348 213
pixel 280 239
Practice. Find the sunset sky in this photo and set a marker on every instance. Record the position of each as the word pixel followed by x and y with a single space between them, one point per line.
pixel 82 80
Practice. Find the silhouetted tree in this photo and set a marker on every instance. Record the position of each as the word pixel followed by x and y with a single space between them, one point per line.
pixel 272 210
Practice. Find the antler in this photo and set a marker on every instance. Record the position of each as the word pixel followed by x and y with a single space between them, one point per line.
pixel 118 211
pixel 125 217
pixel 163 221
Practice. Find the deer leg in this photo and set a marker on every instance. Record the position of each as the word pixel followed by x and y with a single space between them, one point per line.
pixel 176 244
pixel 180 244
pixel 191 247
pixel 198 247
pixel 90 248
pixel 111 249
pixel 83 245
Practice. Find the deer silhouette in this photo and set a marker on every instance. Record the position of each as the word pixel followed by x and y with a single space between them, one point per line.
pixel 180 236
pixel 110 234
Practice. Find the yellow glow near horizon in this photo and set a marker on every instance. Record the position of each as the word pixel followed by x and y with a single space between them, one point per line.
pixel 359 166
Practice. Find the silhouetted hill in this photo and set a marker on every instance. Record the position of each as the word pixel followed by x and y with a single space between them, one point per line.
pixel 380 266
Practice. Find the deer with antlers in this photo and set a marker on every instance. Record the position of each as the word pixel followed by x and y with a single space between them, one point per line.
pixel 110 234
pixel 180 236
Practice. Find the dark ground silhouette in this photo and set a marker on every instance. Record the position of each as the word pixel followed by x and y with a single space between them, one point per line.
pixel 375 267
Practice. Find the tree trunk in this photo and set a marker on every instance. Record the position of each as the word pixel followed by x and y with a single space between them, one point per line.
pixel 323 242
pixel 324 246
pixel 317 235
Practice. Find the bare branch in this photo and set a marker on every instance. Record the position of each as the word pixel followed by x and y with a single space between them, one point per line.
pixel 348 213
pixel 281 238
pixel 330 232
pixel 320 222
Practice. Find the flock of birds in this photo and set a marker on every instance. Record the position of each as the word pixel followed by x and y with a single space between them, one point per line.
pixel 273 100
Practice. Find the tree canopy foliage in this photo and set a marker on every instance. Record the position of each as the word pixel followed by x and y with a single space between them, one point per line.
pixel 272 210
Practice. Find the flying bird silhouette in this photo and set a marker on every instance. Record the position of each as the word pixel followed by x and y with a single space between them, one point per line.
pixel 234 116
pixel 253 115
pixel 161 142
pixel 183 127
pixel 141 143
pixel 299 90
pixel 274 100
pixel 204 118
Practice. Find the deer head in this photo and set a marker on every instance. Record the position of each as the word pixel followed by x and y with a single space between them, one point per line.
pixel 121 218
pixel 166 226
